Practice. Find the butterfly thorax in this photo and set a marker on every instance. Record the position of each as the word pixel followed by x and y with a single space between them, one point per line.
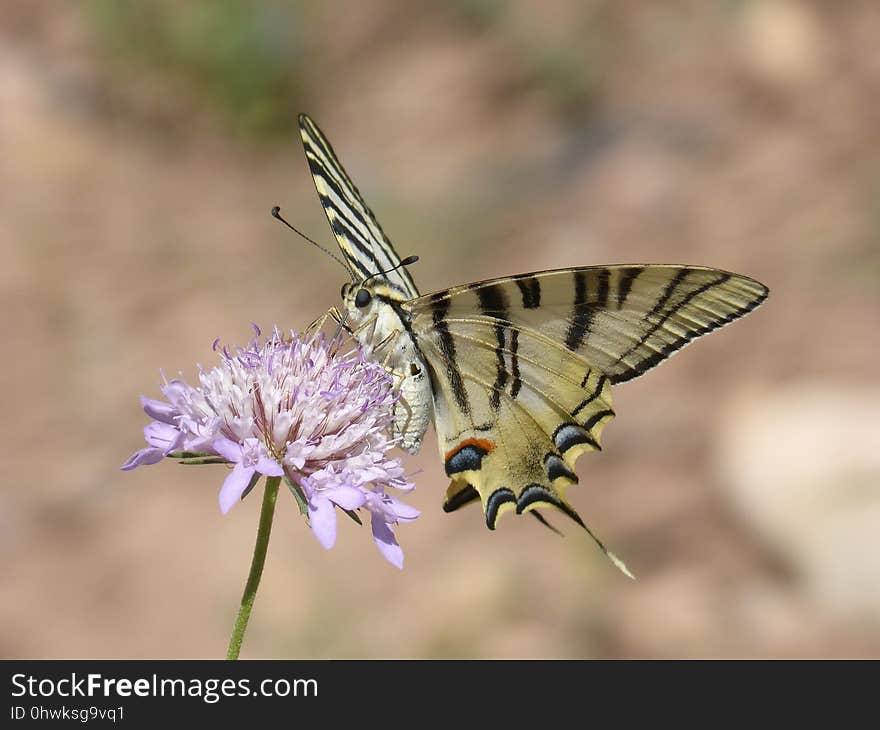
pixel 376 317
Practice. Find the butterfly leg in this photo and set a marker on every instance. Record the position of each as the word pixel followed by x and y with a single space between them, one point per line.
pixel 318 324
pixel 363 333
pixel 410 409
pixel 334 314
pixel 386 342
pixel 398 376
pixel 389 341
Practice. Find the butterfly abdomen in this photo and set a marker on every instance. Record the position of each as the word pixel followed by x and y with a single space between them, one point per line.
pixel 413 409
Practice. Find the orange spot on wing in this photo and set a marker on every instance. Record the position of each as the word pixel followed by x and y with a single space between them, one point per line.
pixel 484 444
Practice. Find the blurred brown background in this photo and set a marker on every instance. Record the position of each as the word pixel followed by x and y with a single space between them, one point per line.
pixel 141 148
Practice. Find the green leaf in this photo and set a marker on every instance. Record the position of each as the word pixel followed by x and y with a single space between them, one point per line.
pixel 251 484
pixel 297 492
pixel 354 515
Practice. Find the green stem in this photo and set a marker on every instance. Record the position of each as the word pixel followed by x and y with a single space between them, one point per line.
pixel 253 582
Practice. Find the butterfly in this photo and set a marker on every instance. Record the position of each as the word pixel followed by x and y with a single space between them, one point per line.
pixel 517 372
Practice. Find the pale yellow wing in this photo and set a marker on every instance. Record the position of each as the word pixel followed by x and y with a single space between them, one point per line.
pixel 522 367
pixel 622 319
pixel 363 243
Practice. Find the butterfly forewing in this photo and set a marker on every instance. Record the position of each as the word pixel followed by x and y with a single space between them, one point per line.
pixel 365 246
pixel 622 319
pixel 524 411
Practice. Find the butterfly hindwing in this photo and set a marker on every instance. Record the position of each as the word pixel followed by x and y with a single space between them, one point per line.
pixel 513 411
pixel 514 443
pixel 364 244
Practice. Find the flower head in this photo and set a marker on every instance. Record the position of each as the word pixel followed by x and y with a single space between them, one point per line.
pixel 292 407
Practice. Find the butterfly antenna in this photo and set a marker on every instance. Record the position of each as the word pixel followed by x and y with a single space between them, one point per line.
pixel 276 213
pixel 406 262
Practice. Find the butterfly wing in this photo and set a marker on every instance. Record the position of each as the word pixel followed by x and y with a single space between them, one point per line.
pixel 523 366
pixel 365 246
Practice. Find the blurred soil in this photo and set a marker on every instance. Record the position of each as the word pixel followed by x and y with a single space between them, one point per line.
pixel 134 229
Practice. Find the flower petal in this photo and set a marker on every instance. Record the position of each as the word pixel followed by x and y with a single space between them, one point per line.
pixel 234 486
pixel 176 391
pixel 200 436
pixel 322 515
pixel 150 455
pixel 159 410
pixel 227 449
pixel 403 511
pixel 297 452
pixel 386 542
pixel 346 497
pixel 163 436
pixel 269 467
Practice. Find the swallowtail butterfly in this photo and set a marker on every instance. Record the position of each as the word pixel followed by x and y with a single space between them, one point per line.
pixel 515 373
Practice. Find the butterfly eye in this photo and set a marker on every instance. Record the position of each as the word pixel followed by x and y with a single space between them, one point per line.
pixel 362 299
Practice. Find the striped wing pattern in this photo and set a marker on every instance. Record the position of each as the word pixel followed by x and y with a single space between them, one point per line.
pixel 365 246
pixel 523 367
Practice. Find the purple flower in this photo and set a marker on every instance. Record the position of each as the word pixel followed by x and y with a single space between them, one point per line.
pixel 249 458
pixel 297 408
pixel 163 438
pixel 384 512
pixel 322 498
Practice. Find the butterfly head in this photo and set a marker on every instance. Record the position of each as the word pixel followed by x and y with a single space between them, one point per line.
pixel 365 298
pixel 358 298
pixel 361 302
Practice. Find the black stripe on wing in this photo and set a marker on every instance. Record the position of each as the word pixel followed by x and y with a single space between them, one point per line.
pixel 600 384
pixel 621 319
pixel 580 317
pixel 446 344
pixel 530 288
pixel 658 356
pixel 493 302
pixel 657 322
pixel 359 229
pixel 583 308
pixel 624 284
